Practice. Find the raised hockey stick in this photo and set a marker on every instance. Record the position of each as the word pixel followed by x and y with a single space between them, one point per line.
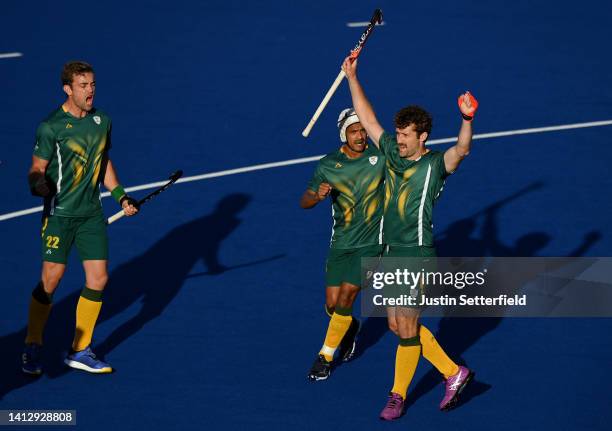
pixel 376 19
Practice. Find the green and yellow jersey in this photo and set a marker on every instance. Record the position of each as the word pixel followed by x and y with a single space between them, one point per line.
pixel 411 189
pixel 76 149
pixel 357 196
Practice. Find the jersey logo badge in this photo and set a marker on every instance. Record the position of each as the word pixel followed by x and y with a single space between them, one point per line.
pixel 97 119
pixel 338 165
pixel 68 126
pixel 373 160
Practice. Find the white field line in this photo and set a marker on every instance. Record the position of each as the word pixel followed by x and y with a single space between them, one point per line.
pixel 362 24
pixel 315 158
pixel 10 55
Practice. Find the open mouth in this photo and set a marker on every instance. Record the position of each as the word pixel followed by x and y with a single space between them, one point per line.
pixel 89 100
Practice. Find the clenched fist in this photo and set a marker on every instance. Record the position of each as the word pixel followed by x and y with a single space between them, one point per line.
pixel 324 190
pixel 467 105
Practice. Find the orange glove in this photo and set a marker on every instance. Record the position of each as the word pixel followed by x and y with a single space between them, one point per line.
pixel 467 105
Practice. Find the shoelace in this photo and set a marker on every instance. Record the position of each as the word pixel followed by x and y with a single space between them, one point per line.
pixel 392 403
pixel 32 354
pixel 90 354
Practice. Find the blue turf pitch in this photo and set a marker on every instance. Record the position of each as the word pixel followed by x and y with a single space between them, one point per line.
pixel 214 311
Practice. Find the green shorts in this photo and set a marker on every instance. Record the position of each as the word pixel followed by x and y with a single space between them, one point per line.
pixel 393 260
pixel 344 265
pixel 88 233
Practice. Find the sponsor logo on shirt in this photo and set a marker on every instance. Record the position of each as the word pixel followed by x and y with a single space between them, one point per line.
pixel 97 119
pixel 338 165
pixel 68 126
pixel 373 160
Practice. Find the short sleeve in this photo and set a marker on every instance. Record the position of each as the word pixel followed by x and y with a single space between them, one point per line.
pixel 387 143
pixel 45 140
pixel 440 166
pixel 316 179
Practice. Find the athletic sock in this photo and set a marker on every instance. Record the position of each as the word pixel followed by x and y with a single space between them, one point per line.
pixel 40 307
pixel 406 360
pixel 435 354
pixel 88 309
pixel 338 325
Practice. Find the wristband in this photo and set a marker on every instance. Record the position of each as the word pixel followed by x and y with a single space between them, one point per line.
pixel 118 193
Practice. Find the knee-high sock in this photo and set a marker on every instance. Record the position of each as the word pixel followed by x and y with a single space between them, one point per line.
pixel 87 312
pixel 406 360
pixel 338 325
pixel 40 307
pixel 435 354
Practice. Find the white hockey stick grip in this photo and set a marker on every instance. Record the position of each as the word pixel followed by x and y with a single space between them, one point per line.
pixel 115 217
pixel 324 103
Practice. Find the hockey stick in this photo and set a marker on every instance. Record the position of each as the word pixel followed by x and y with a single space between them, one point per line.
pixel 376 19
pixel 173 178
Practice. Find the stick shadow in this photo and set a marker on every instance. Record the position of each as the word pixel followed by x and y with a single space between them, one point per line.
pixel 154 279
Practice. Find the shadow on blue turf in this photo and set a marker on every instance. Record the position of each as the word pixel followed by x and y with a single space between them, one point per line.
pixel 456 240
pixel 457 335
pixel 154 279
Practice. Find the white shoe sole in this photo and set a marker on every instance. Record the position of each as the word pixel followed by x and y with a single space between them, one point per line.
pixel 79 366
pixel 31 373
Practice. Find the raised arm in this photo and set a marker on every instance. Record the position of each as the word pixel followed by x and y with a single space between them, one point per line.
pixel 455 154
pixel 362 106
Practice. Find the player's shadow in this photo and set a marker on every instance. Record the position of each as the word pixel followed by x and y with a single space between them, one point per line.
pixel 457 334
pixel 154 279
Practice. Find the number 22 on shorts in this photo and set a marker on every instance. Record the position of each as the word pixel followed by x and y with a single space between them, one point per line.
pixel 53 241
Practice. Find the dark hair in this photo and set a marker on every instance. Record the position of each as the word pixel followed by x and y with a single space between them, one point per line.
pixel 73 68
pixel 414 115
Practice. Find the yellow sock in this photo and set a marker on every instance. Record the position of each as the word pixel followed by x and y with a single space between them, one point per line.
pixel 434 354
pixel 406 360
pixel 338 325
pixel 87 313
pixel 40 306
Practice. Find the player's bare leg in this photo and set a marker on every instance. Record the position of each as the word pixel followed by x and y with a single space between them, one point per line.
pixel 331 299
pixel 346 299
